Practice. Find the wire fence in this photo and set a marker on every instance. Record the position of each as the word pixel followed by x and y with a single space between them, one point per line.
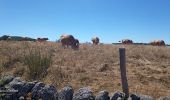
pixel 138 83
pixel 151 88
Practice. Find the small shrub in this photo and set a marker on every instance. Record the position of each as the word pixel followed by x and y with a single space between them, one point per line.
pixel 37 63
pixel 5 79
pixel 2 82
pixel 2 95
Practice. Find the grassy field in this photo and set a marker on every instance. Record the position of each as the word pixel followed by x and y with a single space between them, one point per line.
pixel 97 67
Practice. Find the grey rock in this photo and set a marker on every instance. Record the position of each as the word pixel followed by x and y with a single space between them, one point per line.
pixel 48 92
pixel 164 98
pixel 103 95
pixel 36 89
pixel 66 93
pixel 84 94
pixel 134 97
pixel 118 96
pixel 10 96
pixel 16 84
pixel 26 89
pixel 22 98
pixel 145 97
pixel 5 80
pixel 140 97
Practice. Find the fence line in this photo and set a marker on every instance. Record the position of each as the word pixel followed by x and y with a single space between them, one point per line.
pixel 125 78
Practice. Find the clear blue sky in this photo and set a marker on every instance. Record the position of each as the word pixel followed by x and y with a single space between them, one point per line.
pixel 110 20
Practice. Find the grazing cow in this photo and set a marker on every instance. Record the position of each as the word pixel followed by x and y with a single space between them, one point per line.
pixel 69 40
pixel 157 43
pixel 95 40
pixel 76 43
pixel 126 41
pixel 42 39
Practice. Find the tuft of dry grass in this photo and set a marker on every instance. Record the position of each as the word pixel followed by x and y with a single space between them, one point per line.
pixel 37 63
pixel 148 67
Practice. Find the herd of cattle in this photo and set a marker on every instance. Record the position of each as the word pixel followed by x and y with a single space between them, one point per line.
pixel 70 41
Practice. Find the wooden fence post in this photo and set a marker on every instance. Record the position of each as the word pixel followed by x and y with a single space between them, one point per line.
pixel 123 72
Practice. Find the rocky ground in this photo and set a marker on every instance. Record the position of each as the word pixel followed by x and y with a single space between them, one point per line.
pixel 14 88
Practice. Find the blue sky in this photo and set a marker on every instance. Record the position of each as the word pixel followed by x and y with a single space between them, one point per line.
pixel 110 20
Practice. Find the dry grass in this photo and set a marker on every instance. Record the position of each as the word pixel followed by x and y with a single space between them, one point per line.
pixel 37 61
pixel 148 67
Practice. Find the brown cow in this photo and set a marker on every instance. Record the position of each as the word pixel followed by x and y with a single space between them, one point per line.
pixel 69 40
pixel 76 44
pixel 157 43
pixel 95 40
pixel 126 41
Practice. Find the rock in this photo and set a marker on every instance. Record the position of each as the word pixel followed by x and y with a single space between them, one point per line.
pixel 48 92
pixel 66 93
pixel 10 96
pixel 22 98
pixel 140 97
pixel 36 89
pixel 103 95
pixel 134 97
pixel 26 89
pixel 17 85
pixel 84 94
pixel 5 80
pixel 2 88
pixel 118 96
pixel 164 98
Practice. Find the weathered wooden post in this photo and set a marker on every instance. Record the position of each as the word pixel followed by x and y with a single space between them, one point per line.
pixel 123 72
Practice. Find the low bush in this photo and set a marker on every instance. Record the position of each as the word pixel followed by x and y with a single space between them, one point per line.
pixel 37 62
